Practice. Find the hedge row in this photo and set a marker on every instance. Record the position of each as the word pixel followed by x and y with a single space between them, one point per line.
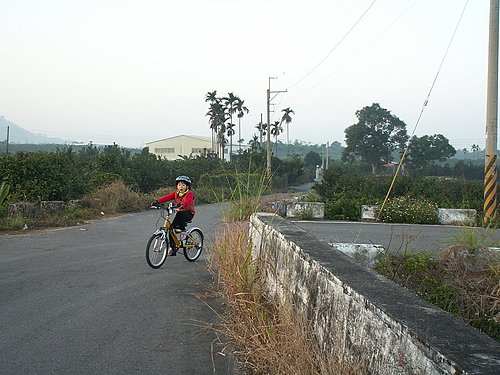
pixel 345 191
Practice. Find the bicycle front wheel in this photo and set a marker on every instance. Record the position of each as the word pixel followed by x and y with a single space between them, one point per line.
pixel 156 250
pixel 193 245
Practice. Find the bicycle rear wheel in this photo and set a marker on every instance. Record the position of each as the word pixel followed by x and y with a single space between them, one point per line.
pixel 156 250
pixel 193 245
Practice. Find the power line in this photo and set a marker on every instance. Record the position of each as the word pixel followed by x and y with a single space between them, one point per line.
pixel 422 110
pixel 440 66
pixel 359 51
pixel 335 47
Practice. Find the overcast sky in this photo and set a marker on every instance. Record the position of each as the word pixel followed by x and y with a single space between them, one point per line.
pixel 134 71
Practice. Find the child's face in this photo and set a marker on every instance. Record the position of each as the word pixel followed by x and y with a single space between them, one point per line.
pixel 181 186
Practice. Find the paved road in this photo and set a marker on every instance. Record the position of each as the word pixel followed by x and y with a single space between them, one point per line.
pixel 83 301
pixel 394 237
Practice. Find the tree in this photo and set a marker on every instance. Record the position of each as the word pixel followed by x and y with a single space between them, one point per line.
pixel 474 148
pixel 428 149
pixel 276 130
pixel 287 119
pixel 230 107
pixel 312 158
pixel 211 97
pixel 230 133
pixel 261 127
pixel 241 109
pixel 374 137
pixel 254 143
pixel 217 119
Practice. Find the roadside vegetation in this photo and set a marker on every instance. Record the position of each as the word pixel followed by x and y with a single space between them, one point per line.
pixel 414 199
pixel 464 280
pixel 266 338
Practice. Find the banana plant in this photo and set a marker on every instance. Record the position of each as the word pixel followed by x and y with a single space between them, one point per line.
pixel 4 191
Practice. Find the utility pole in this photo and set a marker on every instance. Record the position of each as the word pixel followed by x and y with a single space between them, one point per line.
pixel 327 156
pixel 7 141
pixel 490 168
pixel 268 133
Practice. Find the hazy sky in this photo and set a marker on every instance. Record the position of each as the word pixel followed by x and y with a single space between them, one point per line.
pixel 133 71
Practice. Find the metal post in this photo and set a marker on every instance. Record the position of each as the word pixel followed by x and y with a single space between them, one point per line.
pixel 490 176
pixel 268 132
pixel 7 141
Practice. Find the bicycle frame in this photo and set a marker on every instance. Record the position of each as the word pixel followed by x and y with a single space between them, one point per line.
pixel 167 228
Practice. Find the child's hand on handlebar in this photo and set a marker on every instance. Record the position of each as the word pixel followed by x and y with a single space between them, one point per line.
pixel 156 204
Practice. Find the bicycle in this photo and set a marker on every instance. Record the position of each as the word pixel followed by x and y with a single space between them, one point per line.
pixel 190 241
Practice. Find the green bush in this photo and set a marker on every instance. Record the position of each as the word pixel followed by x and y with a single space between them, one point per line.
pixel 343 208
pixel 409 210
pixel 345 190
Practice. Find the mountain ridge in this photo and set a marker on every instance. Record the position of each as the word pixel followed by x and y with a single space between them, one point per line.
pixel 19 135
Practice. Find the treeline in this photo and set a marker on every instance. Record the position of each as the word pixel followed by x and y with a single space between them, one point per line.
pixel 67 174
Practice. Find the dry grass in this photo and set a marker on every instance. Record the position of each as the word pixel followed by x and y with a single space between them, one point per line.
pixel 268 339
pixel 476 278
pixel 118 197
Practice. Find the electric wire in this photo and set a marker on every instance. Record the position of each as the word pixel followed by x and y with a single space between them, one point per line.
pixel 422 110
pixel 358 52
pixel 335 47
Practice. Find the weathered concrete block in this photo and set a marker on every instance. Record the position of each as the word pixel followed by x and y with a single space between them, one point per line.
pixel 24 209
pixel 451 216
pixel 369 212
pixel 50 207
pixel 360 316
pixel 83 203
pixel 361 253
pixel 312 210
pixel 279 206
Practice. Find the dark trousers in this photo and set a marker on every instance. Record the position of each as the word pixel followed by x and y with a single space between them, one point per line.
pixel 181 219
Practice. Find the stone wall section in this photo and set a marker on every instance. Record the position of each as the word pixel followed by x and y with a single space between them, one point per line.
pixel 359 315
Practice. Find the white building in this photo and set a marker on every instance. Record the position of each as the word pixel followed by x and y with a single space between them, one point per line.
pixel 187 145
pixel 182 145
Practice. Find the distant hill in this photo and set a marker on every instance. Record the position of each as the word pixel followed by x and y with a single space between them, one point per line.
pixel 20 135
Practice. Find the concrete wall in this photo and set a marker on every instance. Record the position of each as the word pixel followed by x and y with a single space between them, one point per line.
pixel 295 208
pixel 316 210
pixel 360 316
pixel 447 216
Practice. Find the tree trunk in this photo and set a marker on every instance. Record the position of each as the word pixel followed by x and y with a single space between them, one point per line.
pixel 374 168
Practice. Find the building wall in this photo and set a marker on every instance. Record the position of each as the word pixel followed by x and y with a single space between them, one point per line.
pixel 185 145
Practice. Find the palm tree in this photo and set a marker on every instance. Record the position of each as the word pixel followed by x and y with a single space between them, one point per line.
pixel 276 130
pixel 241 109
pixel 211 97
pixel 230 133
pixel 261 127
pixel 474 148
pixel 230 106
pixel 254 143
pixel 287 119
pixel 216 119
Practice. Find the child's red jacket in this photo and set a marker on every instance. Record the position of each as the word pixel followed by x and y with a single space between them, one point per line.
pixel 187 200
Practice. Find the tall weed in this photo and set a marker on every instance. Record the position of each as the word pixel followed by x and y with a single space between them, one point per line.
pixel 268 339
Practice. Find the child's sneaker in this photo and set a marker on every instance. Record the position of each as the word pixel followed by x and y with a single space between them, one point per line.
pixel 170 252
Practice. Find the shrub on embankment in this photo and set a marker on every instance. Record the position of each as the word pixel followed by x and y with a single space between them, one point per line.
pixel 344 191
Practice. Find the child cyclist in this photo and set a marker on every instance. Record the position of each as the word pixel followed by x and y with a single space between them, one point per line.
pixel 183 199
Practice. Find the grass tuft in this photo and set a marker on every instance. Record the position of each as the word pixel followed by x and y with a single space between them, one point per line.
pixel 268 339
